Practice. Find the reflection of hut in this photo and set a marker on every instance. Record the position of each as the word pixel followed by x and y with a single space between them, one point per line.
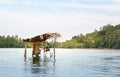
pixel 38 39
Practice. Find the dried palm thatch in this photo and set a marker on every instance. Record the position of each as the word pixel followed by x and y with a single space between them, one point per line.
pixel 42 37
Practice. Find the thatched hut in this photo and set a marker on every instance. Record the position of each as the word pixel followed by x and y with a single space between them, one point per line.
pixel 35 41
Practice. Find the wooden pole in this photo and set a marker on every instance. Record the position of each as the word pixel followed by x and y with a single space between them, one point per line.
pixel 33 53
pixel 25 53
pixel 44 48
pixel 54 46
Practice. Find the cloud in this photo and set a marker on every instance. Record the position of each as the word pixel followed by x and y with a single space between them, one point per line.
pixel 116 1
pixel 110 8
pixel 67 24
pixel 60 6
pixel 7 1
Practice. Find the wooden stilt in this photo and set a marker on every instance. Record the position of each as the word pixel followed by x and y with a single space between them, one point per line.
pixel 54 46
pixel 44 48
pixel 33 53
pixel 25 53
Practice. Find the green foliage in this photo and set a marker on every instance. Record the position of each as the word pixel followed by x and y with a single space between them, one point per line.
pixel 50 44
pixel 11 42
pixel 15 42
pixel 107 37
pixel 69 44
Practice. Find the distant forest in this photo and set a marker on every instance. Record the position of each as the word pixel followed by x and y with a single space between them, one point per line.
pixel 11 42
pixel 16 42
pixel 107 36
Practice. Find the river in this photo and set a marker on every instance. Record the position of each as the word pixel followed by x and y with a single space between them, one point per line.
pixel 67 63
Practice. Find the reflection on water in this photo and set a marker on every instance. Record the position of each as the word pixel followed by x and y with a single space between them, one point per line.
pixel 68 63
pixel 40 65
pixel 36 60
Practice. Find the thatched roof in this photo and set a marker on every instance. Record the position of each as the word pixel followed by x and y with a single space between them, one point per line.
pixel 42 37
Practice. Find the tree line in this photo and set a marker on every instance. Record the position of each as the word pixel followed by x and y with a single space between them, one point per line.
pixel 107 36
pixel 16 42
pixel 11 42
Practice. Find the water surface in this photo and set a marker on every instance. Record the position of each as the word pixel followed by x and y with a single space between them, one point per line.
pixel 67 63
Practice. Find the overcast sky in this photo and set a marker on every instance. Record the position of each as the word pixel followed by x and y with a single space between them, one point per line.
pixel 27 18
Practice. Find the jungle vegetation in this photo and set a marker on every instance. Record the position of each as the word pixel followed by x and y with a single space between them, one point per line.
pixel 11 42
pixel 107 36
pixel 16 42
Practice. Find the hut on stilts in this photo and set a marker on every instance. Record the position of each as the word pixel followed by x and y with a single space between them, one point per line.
pixel 36 42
